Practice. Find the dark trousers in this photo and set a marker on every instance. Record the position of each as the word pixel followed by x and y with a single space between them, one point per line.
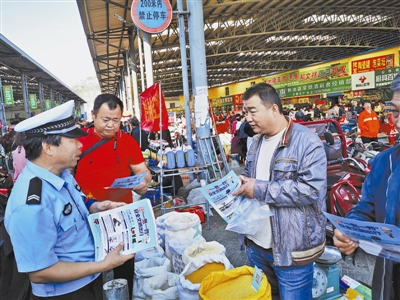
pixel 125 271
pixel 92 291
pixel 396 280
pixel 367 140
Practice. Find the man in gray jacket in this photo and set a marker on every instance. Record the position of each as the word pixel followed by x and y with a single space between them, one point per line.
pixel 285 169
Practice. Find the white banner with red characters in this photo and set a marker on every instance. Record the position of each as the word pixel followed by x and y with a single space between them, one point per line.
pixel 151 102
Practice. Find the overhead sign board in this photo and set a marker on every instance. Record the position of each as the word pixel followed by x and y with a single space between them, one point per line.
pixel 152 16
pixel 363 81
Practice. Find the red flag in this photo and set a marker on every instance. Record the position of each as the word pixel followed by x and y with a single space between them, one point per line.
pixel 150 106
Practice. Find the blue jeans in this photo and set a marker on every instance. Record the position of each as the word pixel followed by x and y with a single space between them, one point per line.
pixel 287 283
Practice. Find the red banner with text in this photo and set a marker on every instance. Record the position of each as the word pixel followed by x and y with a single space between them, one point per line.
pixel 151 112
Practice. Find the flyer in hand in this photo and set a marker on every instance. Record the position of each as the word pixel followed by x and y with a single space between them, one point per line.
pixel 130 182
pixel 219 195
pixel 133 224
pixel 378 239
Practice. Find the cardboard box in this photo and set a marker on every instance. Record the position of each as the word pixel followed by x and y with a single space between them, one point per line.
pixel 185 176
pixel 358 287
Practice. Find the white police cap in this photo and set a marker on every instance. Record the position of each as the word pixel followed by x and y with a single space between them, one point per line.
pixel 58 120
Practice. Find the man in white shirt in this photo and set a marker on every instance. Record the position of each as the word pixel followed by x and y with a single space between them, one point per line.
pixel 286 170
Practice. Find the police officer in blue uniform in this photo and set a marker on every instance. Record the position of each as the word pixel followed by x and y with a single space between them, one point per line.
pixel 46 216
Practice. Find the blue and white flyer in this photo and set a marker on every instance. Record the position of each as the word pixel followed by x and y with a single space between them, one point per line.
pixel 219 195
pixel 133 224
pixel 378 239
pixel 128 182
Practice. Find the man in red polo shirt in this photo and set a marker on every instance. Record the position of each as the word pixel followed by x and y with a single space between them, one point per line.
pixel 119 155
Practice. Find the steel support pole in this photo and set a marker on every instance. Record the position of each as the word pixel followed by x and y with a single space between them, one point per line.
pixel 198 67
pixel 185 74
pixel 148 59
pixel 51 97
pixel 141 59
pixel 41 96
pixel 2 110
pixel 134 74
pixel 25 97
pixel 128 84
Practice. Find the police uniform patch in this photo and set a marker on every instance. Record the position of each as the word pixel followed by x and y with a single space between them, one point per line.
pixel 78 188
pixel 67 209
pixel 34 191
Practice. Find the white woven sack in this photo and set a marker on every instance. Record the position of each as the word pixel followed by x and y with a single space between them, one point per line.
pixel 161 287
pixel 157 251
pixel 183 225
pixel 198 249
pixel 146 268
pixel 177 247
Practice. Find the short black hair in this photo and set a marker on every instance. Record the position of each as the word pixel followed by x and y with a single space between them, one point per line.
pixel 33 145
pixel 395 85
pixel 111 100
pixel 267 94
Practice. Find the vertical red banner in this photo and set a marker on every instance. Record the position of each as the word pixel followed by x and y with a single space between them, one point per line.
pixel 150 107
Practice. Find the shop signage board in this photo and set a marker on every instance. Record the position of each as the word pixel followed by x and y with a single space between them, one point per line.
pixel 363 81
pixel 372 64
pixel 323 73
pixel 8 95
pixel 327 86
pixel 385 77
pixel 152 16
pixel 282 80
pixel 33 101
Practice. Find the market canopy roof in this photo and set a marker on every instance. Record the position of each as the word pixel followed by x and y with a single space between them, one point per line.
pixel 244 39
pixel 13 61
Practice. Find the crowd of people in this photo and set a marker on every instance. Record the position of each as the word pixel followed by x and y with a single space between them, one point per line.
pixel 68 167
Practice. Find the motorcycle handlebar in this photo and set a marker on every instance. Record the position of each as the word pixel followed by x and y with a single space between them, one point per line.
pixel 344 159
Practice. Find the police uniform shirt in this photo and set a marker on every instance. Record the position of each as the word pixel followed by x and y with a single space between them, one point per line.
pixel 49 225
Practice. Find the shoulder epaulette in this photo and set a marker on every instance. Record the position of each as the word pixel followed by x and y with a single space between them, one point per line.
pixel 34 191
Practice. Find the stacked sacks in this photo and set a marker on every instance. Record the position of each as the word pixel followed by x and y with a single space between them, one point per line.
pixel 182 226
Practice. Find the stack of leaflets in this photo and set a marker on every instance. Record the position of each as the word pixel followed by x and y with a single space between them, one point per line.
pixel 132 224
pixel 378 239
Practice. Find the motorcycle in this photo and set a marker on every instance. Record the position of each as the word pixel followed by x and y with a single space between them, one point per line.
pixel 345 175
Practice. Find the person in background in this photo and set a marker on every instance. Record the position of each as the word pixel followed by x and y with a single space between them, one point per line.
pixel 128 127
pixel 139 134
pixel 380 203
pixel 118 156
pixel 368 123
pixel 18 155
pixel 285 169
pixel 46 216
pixel 360 107
pixel 332 114
pixel 353 108
pixel 317 112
